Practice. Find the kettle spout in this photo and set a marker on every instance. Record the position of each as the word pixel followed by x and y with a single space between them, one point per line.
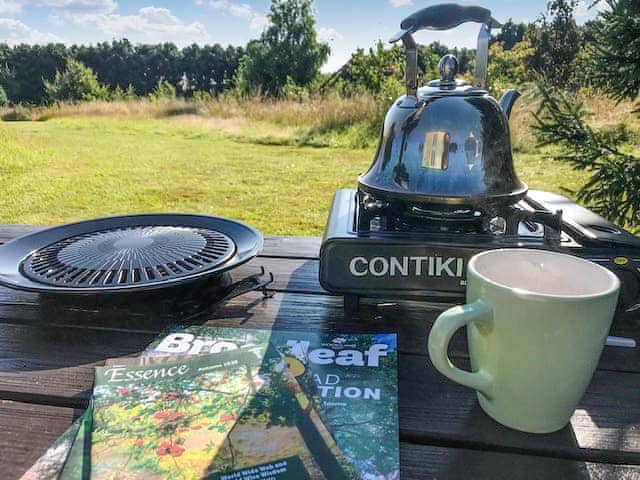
pixel 507 101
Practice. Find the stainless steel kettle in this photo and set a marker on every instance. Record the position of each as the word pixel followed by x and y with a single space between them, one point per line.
pixel 447 142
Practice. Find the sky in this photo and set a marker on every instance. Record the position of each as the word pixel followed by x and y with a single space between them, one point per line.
pixel 344 24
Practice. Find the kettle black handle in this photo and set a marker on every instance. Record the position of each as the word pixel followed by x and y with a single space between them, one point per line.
pixel 445 16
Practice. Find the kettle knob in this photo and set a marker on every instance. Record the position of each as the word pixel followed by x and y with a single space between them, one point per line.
pixel 448 67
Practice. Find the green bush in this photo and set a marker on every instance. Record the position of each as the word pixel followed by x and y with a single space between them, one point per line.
pixel 557 40
pixel 507 68
pixel 164 91
pixel 202 96
pixel 3 97
pixel 75 84
pixel 119 94
pixel 613 187
pixel 292 91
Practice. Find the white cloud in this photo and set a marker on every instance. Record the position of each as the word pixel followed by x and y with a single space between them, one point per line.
pixel 77 6
pixel 55 20
pixel 257 21
pixel 587 10
pixel 240 10
pixel 9 7
pixel 150 25
pixel 336 60
pixel 14 32
pixel 328 34
pixel 582 9
pixel 401 3
pixel 13 7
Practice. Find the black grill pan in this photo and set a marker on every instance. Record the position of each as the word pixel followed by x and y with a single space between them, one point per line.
pixel 134 253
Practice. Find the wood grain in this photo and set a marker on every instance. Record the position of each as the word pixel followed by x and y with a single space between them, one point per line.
pixel 9 232
pixel 428 462
pixel 52 365
pixel 28 430
pixel 48 349
pixel 412 320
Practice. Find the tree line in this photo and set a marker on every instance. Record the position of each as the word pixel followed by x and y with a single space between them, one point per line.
pixel 118 66
pixel 561 57
pixel 286 60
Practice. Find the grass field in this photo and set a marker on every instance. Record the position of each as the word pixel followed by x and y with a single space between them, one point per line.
pixel 91 164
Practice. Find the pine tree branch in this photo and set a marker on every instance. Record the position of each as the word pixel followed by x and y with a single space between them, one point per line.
pixel 613 188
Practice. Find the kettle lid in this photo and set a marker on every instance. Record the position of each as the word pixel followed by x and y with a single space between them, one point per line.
pixel 448 84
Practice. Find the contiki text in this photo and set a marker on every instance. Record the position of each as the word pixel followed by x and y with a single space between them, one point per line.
pixel 407 266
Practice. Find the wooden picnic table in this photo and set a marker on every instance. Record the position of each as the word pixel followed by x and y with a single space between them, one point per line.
pixel 48 352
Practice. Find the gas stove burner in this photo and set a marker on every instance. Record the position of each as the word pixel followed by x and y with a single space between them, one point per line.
pixel 376 215
pixel 127 254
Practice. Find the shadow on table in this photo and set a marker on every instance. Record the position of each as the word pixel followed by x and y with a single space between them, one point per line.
pixel 123 331
pixel 467 464
pixel 461 420
pixel 50 333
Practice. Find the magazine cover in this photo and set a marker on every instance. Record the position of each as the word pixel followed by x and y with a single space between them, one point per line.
pixel 77 465
pixel 355 377
pixel 238 414
pixel 49 466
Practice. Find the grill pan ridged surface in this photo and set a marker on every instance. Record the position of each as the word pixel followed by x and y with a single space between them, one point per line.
pixel 128 256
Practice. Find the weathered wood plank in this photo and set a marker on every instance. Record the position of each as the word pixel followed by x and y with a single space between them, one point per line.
pixel 55 366
pixel 434 408
pixel 292 247
pixel 428 462
pixel 412 320
pixel 28 430
pixel 9 232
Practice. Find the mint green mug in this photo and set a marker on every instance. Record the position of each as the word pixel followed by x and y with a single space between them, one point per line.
pixel 536 325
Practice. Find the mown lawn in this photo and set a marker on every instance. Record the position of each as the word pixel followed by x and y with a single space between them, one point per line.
pixel 68 169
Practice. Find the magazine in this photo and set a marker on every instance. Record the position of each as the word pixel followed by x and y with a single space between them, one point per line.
pixel 232 415
pixel 49 466
pixel 77 464
pixel 355 375
pixel 353 411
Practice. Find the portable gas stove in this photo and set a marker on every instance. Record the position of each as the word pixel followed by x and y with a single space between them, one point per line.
pixel 382 249
pixel 443 187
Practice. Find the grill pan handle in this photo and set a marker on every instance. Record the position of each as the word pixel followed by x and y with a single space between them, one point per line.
pixel 258 281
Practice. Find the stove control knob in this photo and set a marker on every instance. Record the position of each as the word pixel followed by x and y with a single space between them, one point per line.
pixel 498 226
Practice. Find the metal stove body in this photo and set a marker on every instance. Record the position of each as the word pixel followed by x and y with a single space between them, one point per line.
pixel 376 249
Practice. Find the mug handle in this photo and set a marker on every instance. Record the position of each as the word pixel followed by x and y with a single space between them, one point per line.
pixel 442 331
